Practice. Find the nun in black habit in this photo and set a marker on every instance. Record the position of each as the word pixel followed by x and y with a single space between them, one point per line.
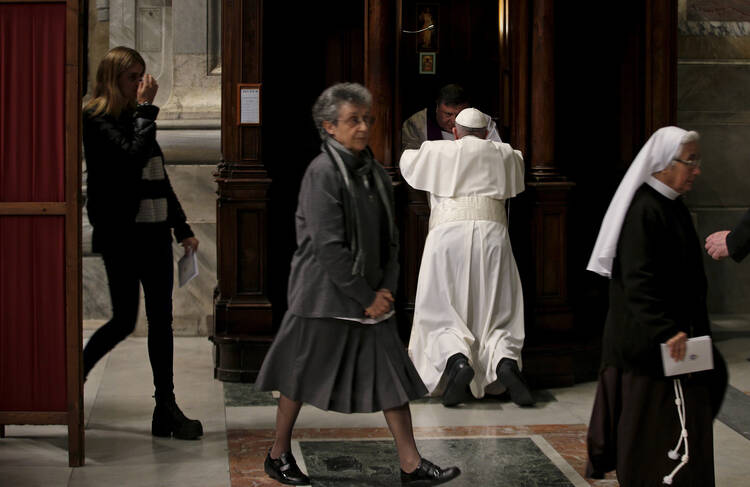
pixel 648 247
pixel 338 347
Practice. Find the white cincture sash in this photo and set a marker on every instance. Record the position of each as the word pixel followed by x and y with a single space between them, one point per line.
pixel 464 208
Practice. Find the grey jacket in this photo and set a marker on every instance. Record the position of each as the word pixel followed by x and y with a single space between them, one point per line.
pixel 321 283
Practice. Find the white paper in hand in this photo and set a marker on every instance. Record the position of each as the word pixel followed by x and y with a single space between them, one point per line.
pixel 187 268
pixel 699 356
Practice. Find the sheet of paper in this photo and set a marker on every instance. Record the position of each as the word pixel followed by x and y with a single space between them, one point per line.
pixel 250 105
pixel 698 356
pixel 187 268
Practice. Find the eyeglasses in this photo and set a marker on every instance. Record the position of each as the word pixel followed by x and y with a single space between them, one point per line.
pixel 692 164
pixel 355 121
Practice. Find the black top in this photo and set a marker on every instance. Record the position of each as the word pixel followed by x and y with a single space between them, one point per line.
pixel 117 150
pixel 321 282
pixel 658 285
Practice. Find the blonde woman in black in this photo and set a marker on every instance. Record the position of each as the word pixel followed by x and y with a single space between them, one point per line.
pixel 133 210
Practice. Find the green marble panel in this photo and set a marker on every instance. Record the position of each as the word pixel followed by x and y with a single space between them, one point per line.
pixel 500 462
pixel 242 394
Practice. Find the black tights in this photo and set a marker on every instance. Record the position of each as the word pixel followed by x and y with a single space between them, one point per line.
pixel 148 262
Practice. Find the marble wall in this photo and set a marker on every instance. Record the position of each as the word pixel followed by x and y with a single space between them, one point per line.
pixel 196 90
pixel 178 40
pixel 175 38
pixel 193 303
pixel 714 99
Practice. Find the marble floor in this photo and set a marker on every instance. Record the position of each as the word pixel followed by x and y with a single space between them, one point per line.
pixel 541 446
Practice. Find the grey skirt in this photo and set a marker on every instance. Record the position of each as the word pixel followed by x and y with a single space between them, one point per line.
pixel 340 365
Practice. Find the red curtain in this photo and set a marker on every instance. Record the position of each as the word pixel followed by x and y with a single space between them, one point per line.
pixel 32 87
pixel 32 314
pixel 32 168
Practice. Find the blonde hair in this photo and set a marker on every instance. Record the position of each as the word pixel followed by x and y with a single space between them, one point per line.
pixel 108 98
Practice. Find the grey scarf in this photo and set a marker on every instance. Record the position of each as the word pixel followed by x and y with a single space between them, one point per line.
pixel 352 218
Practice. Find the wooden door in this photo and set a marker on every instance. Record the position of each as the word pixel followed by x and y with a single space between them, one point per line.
pixel 40 217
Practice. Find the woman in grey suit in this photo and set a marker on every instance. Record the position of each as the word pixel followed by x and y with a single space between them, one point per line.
pixel 338 347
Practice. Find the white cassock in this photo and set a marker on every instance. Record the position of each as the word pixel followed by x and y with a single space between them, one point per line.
pixel 469 298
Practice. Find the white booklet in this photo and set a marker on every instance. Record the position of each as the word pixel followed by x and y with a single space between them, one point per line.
pixel 187 268
pixel 698 356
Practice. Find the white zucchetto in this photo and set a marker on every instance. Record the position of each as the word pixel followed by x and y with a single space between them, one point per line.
pixel 656 154
pixel 471 118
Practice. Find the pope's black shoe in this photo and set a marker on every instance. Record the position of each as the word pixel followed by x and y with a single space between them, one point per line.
pixel 428 473
pixel 510 376
pixel 285 469
pixel 458 376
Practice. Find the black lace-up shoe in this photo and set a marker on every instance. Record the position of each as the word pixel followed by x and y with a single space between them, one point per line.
pixel 510 376
pixel 285 469
pixel 428 473
pixel 168 420
pixel 459 375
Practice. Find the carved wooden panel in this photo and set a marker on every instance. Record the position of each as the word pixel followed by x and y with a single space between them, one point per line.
pixel 251 223
pixel 542 123
pixel 518 45
pixel 549 237
pixel 242 47
pixel 380 53
pixel 252 19
pixel 416 221
pixel 661 64
pixel 250 143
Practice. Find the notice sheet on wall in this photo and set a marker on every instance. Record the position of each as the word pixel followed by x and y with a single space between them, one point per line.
pixel 249 104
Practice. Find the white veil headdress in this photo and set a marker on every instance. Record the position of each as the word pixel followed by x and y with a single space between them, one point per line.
pixel 658 152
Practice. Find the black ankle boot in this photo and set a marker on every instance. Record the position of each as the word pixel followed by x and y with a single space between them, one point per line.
pixel 168 420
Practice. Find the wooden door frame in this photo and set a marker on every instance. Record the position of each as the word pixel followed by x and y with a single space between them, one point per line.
pixel 70 209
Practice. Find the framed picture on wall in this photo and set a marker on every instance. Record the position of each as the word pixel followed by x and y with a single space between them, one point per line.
pixel 427 62
pixel 427 15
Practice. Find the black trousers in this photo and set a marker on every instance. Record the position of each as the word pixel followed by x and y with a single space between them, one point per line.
pixel 148 262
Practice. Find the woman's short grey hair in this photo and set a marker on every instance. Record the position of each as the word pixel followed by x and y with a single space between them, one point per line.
pixel 328 104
